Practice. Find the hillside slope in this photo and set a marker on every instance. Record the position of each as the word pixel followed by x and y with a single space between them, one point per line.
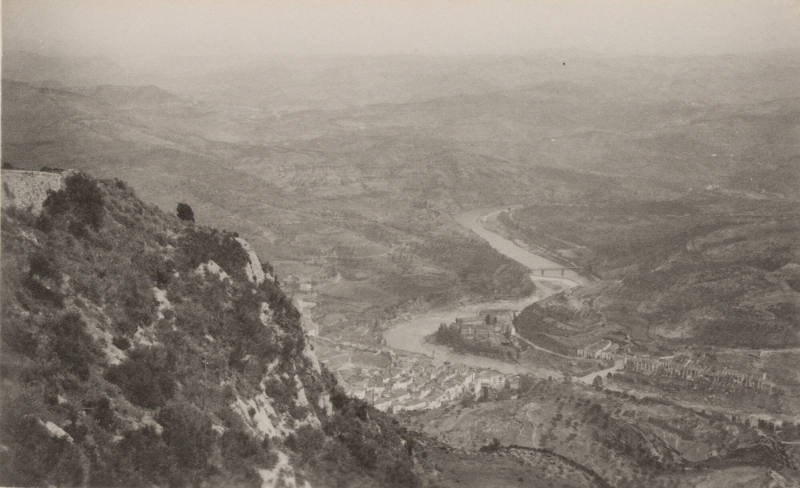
pixel 707 268
pixel 626 441
pixel 142 350
pixel 707 282
pixel 349 216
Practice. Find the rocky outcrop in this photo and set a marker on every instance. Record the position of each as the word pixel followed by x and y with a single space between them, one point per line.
pixel 28 189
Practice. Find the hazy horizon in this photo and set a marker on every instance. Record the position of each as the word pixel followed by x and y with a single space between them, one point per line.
pixel 130 30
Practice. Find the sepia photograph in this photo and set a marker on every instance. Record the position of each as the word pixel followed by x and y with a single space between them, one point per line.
pixel 400 243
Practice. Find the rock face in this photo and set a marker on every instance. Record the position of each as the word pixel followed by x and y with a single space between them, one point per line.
pixel 28 189
pixel 252 269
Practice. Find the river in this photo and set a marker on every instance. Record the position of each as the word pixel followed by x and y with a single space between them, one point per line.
pixel 409 333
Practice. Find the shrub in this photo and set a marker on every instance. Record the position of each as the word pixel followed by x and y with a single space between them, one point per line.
pixel 363 452
pixel 239 451
pixel 80 203
pixel 237 448
pixel 185 212
pixel 72 345
pixel 282 394
pixel 340 400
pixel 242 453
pixel 158 268
pixel 102 412
pixel 137 300
pixel 145 377
pixel 308 442
pixel 36 458
pixel 350 431
pixel 19 338
pixel 400 473
pixel 40 291
pixel 121 343
pixel 44 222
pixel 188 435
pixel 492 446
pixel 200 246
pixel 41 266
pixel 194 318
pixel 141 458
pixel 78 229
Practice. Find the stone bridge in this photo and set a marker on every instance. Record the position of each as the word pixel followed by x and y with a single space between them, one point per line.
pixel 554 271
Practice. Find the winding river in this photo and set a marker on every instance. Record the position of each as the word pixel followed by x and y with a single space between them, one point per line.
pixel 409 333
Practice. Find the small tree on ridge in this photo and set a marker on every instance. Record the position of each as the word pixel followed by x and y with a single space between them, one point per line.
pixel 185 212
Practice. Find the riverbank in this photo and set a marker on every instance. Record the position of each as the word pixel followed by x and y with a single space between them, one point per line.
pixel 409 333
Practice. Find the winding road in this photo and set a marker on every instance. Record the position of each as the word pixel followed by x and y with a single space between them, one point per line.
pixel 409 333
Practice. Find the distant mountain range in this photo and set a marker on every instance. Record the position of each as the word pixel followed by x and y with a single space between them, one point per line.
pixel 55 71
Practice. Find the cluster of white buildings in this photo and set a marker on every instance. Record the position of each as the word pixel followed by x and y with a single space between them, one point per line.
pixel 688 371
pixel 605 350
pixel 413 383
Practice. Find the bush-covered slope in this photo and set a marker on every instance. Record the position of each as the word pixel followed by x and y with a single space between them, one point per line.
pixel 142 350
pixel 138 349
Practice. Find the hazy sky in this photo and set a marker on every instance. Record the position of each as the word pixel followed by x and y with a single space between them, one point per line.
pixel 141 28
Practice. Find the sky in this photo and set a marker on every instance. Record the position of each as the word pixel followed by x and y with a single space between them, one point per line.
pixel 140 28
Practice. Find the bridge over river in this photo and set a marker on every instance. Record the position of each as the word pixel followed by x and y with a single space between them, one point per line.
pixel 409 333
pixel 554 271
